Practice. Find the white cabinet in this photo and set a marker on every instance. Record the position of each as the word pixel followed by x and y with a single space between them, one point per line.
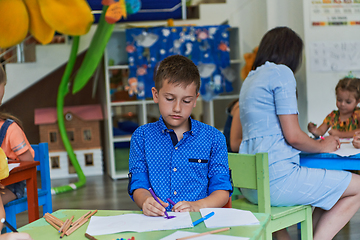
pixel 120 109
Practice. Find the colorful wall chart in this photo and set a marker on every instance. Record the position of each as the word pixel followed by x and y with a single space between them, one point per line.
pixel 335 12
pixel 206 46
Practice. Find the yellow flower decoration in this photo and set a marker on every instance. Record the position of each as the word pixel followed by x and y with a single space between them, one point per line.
pixel 42 18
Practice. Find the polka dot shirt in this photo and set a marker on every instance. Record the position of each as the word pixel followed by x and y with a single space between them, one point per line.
pixel 188 170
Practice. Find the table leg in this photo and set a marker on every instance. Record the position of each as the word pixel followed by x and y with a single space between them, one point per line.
pixel 32 195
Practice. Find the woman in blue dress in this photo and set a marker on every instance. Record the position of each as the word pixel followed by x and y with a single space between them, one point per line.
pixel 269 117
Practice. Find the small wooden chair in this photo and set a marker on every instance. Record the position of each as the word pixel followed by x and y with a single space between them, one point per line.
pixel 252 171
pixel 44 193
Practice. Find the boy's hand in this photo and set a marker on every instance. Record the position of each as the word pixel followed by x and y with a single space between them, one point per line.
pixel 330 144
pixel 15 236
pixel 151 207
pixel 185 206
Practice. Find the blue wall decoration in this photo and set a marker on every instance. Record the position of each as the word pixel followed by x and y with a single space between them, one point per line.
pixel 206 46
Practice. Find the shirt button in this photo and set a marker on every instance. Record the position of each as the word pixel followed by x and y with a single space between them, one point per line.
pixel 199 160
pixel 175 169
pixel 175 192
pixel 176 148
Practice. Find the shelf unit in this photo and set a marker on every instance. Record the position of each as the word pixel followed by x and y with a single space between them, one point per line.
pixel 147 108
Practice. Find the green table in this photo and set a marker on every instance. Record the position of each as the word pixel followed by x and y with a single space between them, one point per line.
pixel 40 229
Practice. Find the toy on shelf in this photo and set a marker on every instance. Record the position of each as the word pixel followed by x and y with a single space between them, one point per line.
pixel 83 129
pixel 249 61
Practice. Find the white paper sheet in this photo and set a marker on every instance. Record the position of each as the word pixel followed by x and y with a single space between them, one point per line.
pixel 12 166
pixel 347 149
pixel 137 223
pixel 180 234
pixel 228 217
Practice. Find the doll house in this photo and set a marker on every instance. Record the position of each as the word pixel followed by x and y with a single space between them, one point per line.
pixel 83 130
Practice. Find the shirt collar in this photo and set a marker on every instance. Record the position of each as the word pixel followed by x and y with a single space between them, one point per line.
pixel 194 126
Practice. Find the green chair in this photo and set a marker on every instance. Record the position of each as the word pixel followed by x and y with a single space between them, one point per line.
pixel 252 171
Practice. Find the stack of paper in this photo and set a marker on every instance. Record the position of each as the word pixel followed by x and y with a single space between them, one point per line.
pixel 181 234
pixel 137 223
pixel 228 217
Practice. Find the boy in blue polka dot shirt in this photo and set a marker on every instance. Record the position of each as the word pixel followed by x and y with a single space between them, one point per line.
pixel 178 157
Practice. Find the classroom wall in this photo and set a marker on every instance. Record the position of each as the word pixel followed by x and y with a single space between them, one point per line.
pixel 290 14
pixel 321 85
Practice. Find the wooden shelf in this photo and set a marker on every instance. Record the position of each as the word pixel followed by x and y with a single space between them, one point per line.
pixel 144 109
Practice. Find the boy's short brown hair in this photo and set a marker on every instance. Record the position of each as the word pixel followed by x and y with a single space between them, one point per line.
pixel 179 70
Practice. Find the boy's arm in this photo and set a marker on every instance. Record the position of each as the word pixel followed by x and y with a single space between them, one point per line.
pixel 138 171
pixel 148 204
pixel 216 199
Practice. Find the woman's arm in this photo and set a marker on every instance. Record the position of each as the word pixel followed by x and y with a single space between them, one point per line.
pixel 235 131
pixel 300 140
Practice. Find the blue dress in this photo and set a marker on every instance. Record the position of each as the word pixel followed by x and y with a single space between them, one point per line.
pixel 269 91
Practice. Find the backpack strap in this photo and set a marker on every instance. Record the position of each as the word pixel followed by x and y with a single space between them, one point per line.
pixel 4 128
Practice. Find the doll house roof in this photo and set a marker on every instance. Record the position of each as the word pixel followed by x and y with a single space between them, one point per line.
pixel 85 112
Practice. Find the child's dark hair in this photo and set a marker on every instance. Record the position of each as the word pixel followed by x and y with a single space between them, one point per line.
pixel 179 70
pixel 280 45
pixel 4 116
pixel 2 75
pixel 349 84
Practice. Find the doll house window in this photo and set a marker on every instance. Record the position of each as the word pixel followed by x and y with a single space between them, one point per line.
pixel 53 137
pixel 55 162
pixel 71 166
pixel 89 159
pixel 70 135
pixel 87 135
pixel 68 116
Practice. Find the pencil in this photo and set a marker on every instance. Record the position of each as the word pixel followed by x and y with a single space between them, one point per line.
pixel 81 218
pixel 62 227
pixel 55 219
pixel 52 223
pixel 8 225
pixel 205 233
pixel 66 227
pixel 91 214
pixel 72 229
pixel 90 237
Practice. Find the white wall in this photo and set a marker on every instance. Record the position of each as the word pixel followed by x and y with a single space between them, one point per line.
pixel 290 13
pixel 321 85
pixel 253 19
pixel 48 58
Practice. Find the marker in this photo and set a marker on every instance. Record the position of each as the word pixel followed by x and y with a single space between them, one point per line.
pixel 155 197
pixel 203 218
pixel 322 138
pixel 8 225
pixel 171 201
